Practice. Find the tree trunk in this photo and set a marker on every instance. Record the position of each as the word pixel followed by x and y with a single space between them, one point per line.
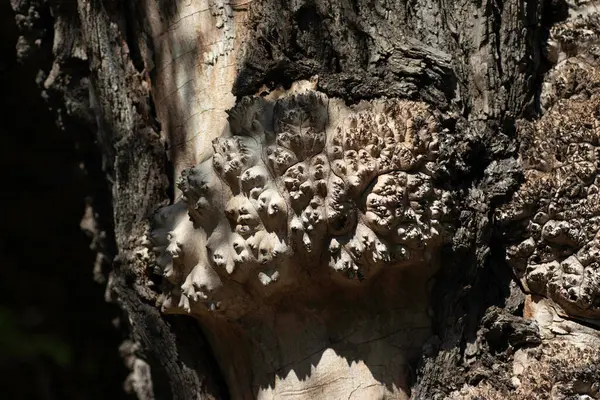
pixel 336 199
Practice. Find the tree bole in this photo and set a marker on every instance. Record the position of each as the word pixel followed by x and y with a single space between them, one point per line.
pixel 337 199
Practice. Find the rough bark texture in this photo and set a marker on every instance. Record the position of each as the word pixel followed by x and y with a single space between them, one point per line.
pixel 505 304
pixel 57 334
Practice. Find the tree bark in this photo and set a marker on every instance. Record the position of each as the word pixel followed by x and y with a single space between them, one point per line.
pixel 498 293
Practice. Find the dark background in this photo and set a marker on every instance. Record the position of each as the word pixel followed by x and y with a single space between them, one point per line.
pixel 58 337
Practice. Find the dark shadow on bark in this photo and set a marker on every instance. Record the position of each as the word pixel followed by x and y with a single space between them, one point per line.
pixel 195 352
pixel 336 41
pixel 56 335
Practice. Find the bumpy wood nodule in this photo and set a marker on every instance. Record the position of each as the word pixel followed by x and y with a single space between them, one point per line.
pixel 305 194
